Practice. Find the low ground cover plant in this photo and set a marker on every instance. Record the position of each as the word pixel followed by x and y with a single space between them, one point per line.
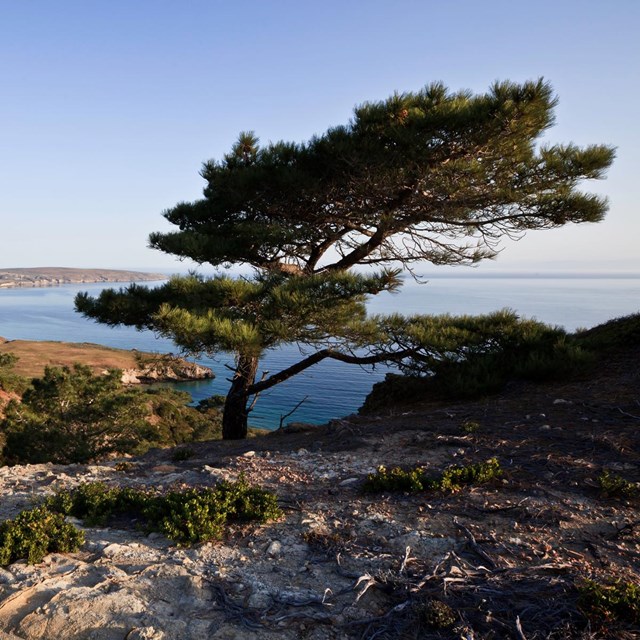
pixel 34 533
pixel 614 486
pixel 607 603
pixel 417 479
pixel 185 517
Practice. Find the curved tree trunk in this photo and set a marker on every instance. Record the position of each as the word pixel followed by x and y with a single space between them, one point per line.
pixel 234 417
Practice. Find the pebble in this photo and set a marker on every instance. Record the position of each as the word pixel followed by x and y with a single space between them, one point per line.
pixel 259 600
pixel 274 549
pixel 6 577
pixel 145 633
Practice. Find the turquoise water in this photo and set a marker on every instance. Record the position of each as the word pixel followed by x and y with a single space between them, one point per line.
pixel 333 389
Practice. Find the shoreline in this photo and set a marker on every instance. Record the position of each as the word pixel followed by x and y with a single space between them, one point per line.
pixel 39 277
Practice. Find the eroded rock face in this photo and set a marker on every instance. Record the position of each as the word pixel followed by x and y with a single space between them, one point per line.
pixel 166 370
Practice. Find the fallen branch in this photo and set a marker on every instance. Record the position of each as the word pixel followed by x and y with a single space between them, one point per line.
pixel 473 544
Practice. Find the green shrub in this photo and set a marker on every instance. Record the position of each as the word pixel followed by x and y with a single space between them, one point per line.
pixel 435 614
pixel 615 602
pixel 415 480
pixel 35 533
pixel 470 426
pixel 96 503
pixel 614 486
pixel 71 415
pixel 619 332
pixel 468 356
pixel 186 517
pixel 454 478
pixel 396 479
pixel 10 381
pixel 189 517
pixel 176 422
pixel 184 453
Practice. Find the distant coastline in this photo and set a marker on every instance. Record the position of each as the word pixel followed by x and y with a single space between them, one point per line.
pixel 55 276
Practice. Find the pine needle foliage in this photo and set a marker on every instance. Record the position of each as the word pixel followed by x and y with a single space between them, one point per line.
pixel 9 380
pixel 432 175
pixel 73 415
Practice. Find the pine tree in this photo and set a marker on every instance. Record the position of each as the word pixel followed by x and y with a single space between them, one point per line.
pixel 430 176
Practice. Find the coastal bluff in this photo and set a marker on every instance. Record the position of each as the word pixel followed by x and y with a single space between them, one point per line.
pixel 55 276
pixel 136 366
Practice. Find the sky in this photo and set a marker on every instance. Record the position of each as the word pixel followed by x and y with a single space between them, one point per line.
pixel 110 108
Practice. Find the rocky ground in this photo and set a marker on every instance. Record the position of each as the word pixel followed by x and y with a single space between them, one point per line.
pixel 506 557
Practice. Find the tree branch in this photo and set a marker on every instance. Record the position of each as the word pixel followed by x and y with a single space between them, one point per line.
pixel 314 358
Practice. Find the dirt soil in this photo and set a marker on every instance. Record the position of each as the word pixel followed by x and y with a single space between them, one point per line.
pixel 506 557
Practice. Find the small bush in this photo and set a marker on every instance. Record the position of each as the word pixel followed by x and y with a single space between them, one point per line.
pixel 616 602
pixel 415 480
pixel 614 486
pixel 35 533
pixel 435 614
pixel 184 453
pixel 616 333
pixel 469 427
pixel 454 478
pixel 396 479
pixel 96 503
pixel 10 381
pixel 185 517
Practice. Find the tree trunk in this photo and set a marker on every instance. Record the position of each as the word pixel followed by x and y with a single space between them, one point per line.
pixel 234 417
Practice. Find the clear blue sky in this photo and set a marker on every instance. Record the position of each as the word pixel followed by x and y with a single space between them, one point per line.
pixel 109 108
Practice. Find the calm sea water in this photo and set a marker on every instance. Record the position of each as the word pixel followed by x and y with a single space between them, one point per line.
pixel 333 389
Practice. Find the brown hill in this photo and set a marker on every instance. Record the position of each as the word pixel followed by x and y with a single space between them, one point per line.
pixel 53 276
pixel 137 366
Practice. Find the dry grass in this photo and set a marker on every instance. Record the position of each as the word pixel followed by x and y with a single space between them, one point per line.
pixel 34 356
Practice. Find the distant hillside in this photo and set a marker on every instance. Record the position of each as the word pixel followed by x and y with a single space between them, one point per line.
pixel 53 276
pixel 137 366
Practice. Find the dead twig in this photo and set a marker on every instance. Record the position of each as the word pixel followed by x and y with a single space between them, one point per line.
pixel 286 415
pixel 630 415
pixel 473 543
pixel 519 630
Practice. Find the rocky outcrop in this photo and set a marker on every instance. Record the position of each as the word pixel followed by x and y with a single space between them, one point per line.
pixel 166 369
pixel 54 276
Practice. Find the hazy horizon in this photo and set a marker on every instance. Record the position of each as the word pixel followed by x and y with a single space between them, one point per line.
pixel 109 110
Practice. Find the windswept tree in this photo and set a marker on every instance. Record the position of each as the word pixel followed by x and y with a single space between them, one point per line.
pixel 430 176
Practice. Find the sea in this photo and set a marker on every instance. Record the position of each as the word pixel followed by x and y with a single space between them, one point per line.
pixel 332 389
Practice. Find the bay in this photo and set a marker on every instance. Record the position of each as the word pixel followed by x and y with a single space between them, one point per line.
pixel 333 389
